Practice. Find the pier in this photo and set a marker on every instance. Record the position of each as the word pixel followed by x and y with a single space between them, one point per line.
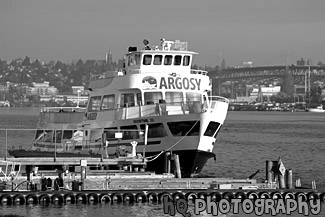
pixel 92 181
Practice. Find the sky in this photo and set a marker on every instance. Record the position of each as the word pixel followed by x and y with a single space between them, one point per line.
pixel 266 32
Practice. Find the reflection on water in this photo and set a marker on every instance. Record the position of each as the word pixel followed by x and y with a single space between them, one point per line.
pixel 245 142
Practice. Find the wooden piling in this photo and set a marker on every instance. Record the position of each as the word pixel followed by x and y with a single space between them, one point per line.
pixel 177 166
pixel 167 167
pixel 289 184
pixel 269 171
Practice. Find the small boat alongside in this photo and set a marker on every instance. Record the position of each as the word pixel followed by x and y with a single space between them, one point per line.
pixel 318 109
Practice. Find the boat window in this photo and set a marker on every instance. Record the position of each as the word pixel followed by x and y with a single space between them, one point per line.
pixel 57 136
pixel 67 134
pixel 186 60
pixel 212 128
pixel 155 130
pixel 177 60
pixel 152 97
pixel 168 60
pixel 193 97
pixel 110 133
pixel 39 136
pixel 157 60
pixel 174 98
pixel 108 102
pixel 147 59
pixel 48 136
pixel 127 100
pixel 94 103
pixel 184 128
pixel 139 99
pixel 130 132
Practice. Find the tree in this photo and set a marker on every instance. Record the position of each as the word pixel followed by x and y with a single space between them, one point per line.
pixel 26 61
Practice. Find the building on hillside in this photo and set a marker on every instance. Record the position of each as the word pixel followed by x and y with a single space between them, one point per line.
pixel 42 89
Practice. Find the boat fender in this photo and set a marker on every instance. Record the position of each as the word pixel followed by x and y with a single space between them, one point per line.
pixel 178 195
pixel 164 194
pixel 44 199
pixel 31 199
pixel 152 197
pixel 6 199
pixel 190 197
pixel 19 199
pixel 322 197
pixel 288 195
pixel 215 196
pixel 228 196
pixel 69 198
pixel 141 198
pixel 57 198
pixel 128 198
pixel 105 198
pixel 301 194
pixel 264 195
pixel 81 198
pixel 202 195
pixel 116 198
pixel 313 196
pixel 241 195
pixel 252 195
pixel 276 195
pixel 92 198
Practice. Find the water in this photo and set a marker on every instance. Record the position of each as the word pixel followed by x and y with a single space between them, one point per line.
pixel 245 142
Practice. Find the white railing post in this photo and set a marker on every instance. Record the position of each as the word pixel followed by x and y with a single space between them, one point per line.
pixel 6 144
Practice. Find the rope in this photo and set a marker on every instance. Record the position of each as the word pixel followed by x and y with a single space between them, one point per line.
pixel 163 151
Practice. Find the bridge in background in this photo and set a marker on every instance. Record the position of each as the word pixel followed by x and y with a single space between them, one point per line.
pixel 238 78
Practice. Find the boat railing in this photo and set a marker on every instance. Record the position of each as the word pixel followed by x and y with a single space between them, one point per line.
pixel 161 108
pixel 50 140
pixel 63 109
pixel 199 72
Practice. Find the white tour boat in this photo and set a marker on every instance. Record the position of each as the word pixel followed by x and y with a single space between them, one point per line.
pixel 157 102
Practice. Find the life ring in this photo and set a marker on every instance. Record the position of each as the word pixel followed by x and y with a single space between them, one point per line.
pixel 178 195
pixel 164 194
pixel 20 148
pixel 141 198
pixel 215 196
pixel 19 199
pixel 92 198
pixel 81 198
pixel 31 199
pixel 128 198
pixel 241 195
pixel 116 198
pixel 252 195
pixel 57 198
pixel 264 195
pixel 6 199
pixel 302 195
pixel 228 196
pixel 152 197
pixel 44 199
pixel 105 198
pixel 190 197
pixel 69 198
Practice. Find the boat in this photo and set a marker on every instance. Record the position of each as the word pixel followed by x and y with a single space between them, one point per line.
pixel 318 109
pixel 156 104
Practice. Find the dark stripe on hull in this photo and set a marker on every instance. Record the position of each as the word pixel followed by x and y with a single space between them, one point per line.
pixel 191 161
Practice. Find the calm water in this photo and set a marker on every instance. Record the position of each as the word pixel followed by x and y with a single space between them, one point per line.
pixel 245 142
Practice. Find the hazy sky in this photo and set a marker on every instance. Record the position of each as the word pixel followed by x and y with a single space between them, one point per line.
pixel 261 31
